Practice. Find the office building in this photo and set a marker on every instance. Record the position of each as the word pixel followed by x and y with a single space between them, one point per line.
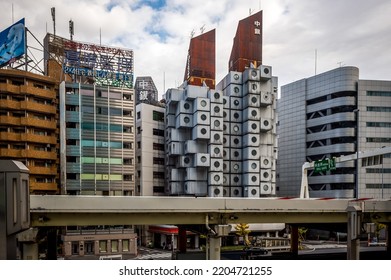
pixel 322 117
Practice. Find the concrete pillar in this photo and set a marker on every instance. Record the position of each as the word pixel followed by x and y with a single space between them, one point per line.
pixel 295 240
pixel 214 248
pixel 353 231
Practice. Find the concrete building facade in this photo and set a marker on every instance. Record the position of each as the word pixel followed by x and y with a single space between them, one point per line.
pixel 318 119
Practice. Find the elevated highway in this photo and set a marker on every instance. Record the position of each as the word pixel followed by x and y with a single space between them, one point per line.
pixel 59 210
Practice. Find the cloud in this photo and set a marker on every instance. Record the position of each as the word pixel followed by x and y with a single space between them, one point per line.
pixel 343 32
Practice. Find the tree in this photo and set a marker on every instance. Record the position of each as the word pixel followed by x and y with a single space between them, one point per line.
pixel 243 230
pixel 302 236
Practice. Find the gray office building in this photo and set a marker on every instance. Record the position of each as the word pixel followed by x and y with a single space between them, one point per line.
pixel 318 119
pixel 97 140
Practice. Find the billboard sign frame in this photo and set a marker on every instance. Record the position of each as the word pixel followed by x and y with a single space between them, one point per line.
pixel 12 43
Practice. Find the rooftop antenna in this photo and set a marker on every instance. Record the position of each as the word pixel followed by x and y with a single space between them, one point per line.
pixel 340 63
pixel 71 29
pixel 202 29
pixel 192 33
pixel 53 11
pixel 316 59
pixel 249 11
pixel 12 13
pixel 100 36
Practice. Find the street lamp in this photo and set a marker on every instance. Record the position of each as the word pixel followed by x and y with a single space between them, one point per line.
pixel 356 111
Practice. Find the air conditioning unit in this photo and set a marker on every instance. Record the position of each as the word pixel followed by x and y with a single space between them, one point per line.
pixel 236 179
pixel 251 88
pixel 236 129
pixel 170 121
pixel 251 100
pixel 193 92
pixel 233 90
pixel 236 141
pixel 265 175
pixel 175 148
pixel 184 107
pixel 216 137
pixel 236 154
pixel 197 188
pixel 235 103
pixel 184 161
pixel 215 150
pixel 266 99
pixel 266 125
pixel 216 110
pixel 251 153
pixel 216 123
pixel 250 191
pixel 251 166
pixel 194 174
pixel 251 127
pixel 184 121
pixel 236 167
pixel 251 74
pixel 201 104
pixel 216 164
pixel 266 162
pixel 201 118
pixel 251 179
pixel 215 178
pixel 215 191
pixel 236 116
pixel 265 72
pixel 251 114
pixel 193 147
pixel 215 96
pixel 251 140
pixel 200 132
pixel 265 188
pixel 201 160
pixel 236 192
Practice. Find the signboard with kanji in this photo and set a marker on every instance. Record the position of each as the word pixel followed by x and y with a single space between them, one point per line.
pixel 324 165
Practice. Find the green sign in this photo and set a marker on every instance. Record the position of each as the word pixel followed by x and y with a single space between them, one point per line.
pixel 324 165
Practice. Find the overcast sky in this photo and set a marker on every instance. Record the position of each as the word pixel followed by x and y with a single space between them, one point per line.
pixel 343 32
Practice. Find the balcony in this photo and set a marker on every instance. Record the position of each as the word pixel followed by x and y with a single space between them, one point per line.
pixel 45 93
pixel 13 153
pixel 40 170
pixel 37 107
pixel 34 186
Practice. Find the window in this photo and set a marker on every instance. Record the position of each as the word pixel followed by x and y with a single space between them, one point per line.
pixel 102 246
pixel 125 245
pixel 158 189
pixel 379 93
pixel 379 124
pixel 138 115
pixel 158 147
pixel 75 247
pixel 158 161
pixel 158 116
pixel 114 246
pixel 158 132
pixel 158 175
pixel 379 109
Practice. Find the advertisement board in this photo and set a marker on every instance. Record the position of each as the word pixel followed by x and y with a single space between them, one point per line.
pixel 12 43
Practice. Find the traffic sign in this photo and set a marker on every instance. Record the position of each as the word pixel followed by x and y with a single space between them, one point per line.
pixel 324 165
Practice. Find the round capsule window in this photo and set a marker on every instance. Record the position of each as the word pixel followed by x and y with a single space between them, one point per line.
pixel 216 123
pixel 254 152
pixel 253 192
pixel 236 102
pixel 216 164
pixel 254 139
pixel 254 73
pixel 203 159
pixel 254 86
pixel 236 166
pixel 216 95
pixel 236 179
pixel 186 106
pixel 216 150
pixel 254 165
pixel 236 89
pixel 203 103
pixel 216 178
pixel 266 70
pixel 236 115
pixel 265 161
pixel 254 99
pixel 236 141
pixel 216 109
pixel 236 192
pixel 254 126
pixel 216 191
pixel 265 122
pixel 203 117
pixel 216 136
pixel 254 179
pixel 236 128
pixel 254 113
pixel 265 175
pixel 203 131
pixel 186 160
pixel 236 154
pixel 186 119
pixel 265 187
pixel 236 76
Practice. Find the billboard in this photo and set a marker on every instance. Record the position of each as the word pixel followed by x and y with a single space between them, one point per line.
pixel 12 43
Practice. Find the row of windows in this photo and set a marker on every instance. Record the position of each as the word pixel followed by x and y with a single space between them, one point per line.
pixel 106 177
pixel 378 109
pixel 89 248
pixel 101 160
pixel 378 186
pixel 105 144
pixel 378 140
pixel 379 93
pixel 379 124
pixel 106 127
pixel 378 170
